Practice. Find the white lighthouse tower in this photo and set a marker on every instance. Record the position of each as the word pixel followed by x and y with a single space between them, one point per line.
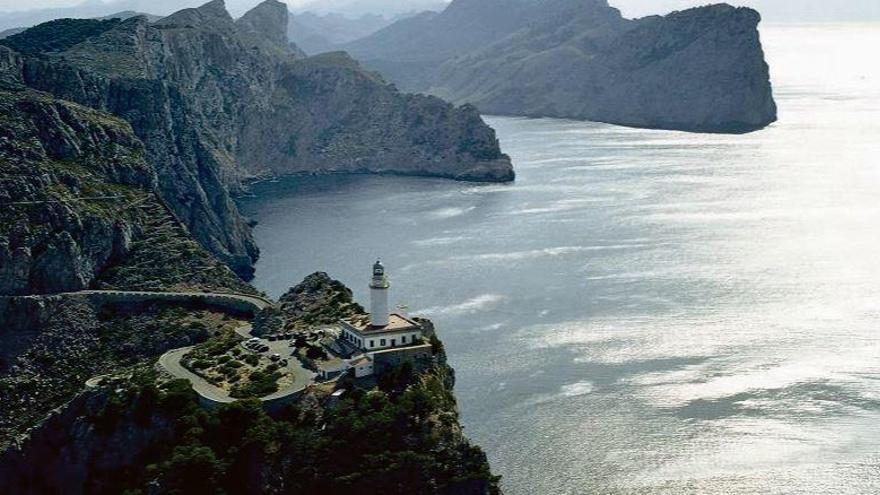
pixel 379 296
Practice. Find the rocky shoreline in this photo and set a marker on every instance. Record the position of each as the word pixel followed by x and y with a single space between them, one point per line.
pixel 216 101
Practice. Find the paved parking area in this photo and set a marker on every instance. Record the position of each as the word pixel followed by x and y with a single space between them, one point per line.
pixel 302 376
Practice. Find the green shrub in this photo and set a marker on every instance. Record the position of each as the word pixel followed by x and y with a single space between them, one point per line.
pixel 201 364
pixel 57 35
pixel 316 353
pixel 436 345
pixel 259 384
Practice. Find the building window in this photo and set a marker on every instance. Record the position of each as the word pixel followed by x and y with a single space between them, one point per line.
pixel 382 342
pixel 372 343
pixel 393 342
pixel 403 340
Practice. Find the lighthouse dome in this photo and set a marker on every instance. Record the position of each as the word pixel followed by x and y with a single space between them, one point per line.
pixel 378 268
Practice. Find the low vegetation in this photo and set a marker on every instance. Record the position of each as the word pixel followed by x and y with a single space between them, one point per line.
pixel 223 362
pixel 318 300
pixel 164 257
pixel 400 438
pixel 258 384
pixel 81 342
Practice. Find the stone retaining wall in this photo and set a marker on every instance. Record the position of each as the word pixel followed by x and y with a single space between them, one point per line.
pixel 237 303
pixel 391 358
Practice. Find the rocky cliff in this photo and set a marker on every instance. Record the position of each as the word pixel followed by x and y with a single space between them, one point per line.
pixel 69 176
pixel 80 206
pixel 217 101
pixel 74 451
pixel 317 300
pixel 147 433
pixel 699 70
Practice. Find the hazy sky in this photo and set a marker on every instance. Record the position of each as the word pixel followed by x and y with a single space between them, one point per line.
pixel 773 10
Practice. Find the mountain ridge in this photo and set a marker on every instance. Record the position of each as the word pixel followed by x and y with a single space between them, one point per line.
pixel 700 69
pixel 218 101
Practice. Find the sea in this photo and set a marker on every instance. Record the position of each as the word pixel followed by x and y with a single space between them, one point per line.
pixel 643 312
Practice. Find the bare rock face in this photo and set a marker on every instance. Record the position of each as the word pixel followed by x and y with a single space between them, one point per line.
pixel 66 171
pixel 217 102
pixel 267 22
pixel 700 70
pixel 79 207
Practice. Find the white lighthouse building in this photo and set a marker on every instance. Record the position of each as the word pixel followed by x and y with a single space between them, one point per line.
pixel 379 316
pixel 381 329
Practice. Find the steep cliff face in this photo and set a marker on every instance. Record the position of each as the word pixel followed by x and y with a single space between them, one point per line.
pixel 268 23
pixel 70 175
pixel 701 69
pixel 340 118
pixel 82 454
pixel 79 206
pixel 698 70
pixel 218 101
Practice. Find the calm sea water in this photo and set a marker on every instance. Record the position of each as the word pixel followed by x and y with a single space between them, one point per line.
pixel 644 311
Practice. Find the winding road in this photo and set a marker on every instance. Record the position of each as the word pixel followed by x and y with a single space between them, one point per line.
pixel 171 360
pixel 232 301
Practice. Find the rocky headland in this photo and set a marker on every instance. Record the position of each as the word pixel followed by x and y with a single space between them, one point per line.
pixel 217 101
pixel 700 70
pixel 122 144
pixel 141 431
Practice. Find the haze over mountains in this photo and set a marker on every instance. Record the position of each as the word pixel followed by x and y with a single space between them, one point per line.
pixel 315 27
pixel 773 11
pixel 13 15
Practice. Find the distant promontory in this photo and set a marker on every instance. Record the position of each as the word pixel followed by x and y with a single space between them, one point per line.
pixel 700 70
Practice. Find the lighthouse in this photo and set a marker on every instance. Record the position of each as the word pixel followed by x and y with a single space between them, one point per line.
pixel 379 296
pixel 382 331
